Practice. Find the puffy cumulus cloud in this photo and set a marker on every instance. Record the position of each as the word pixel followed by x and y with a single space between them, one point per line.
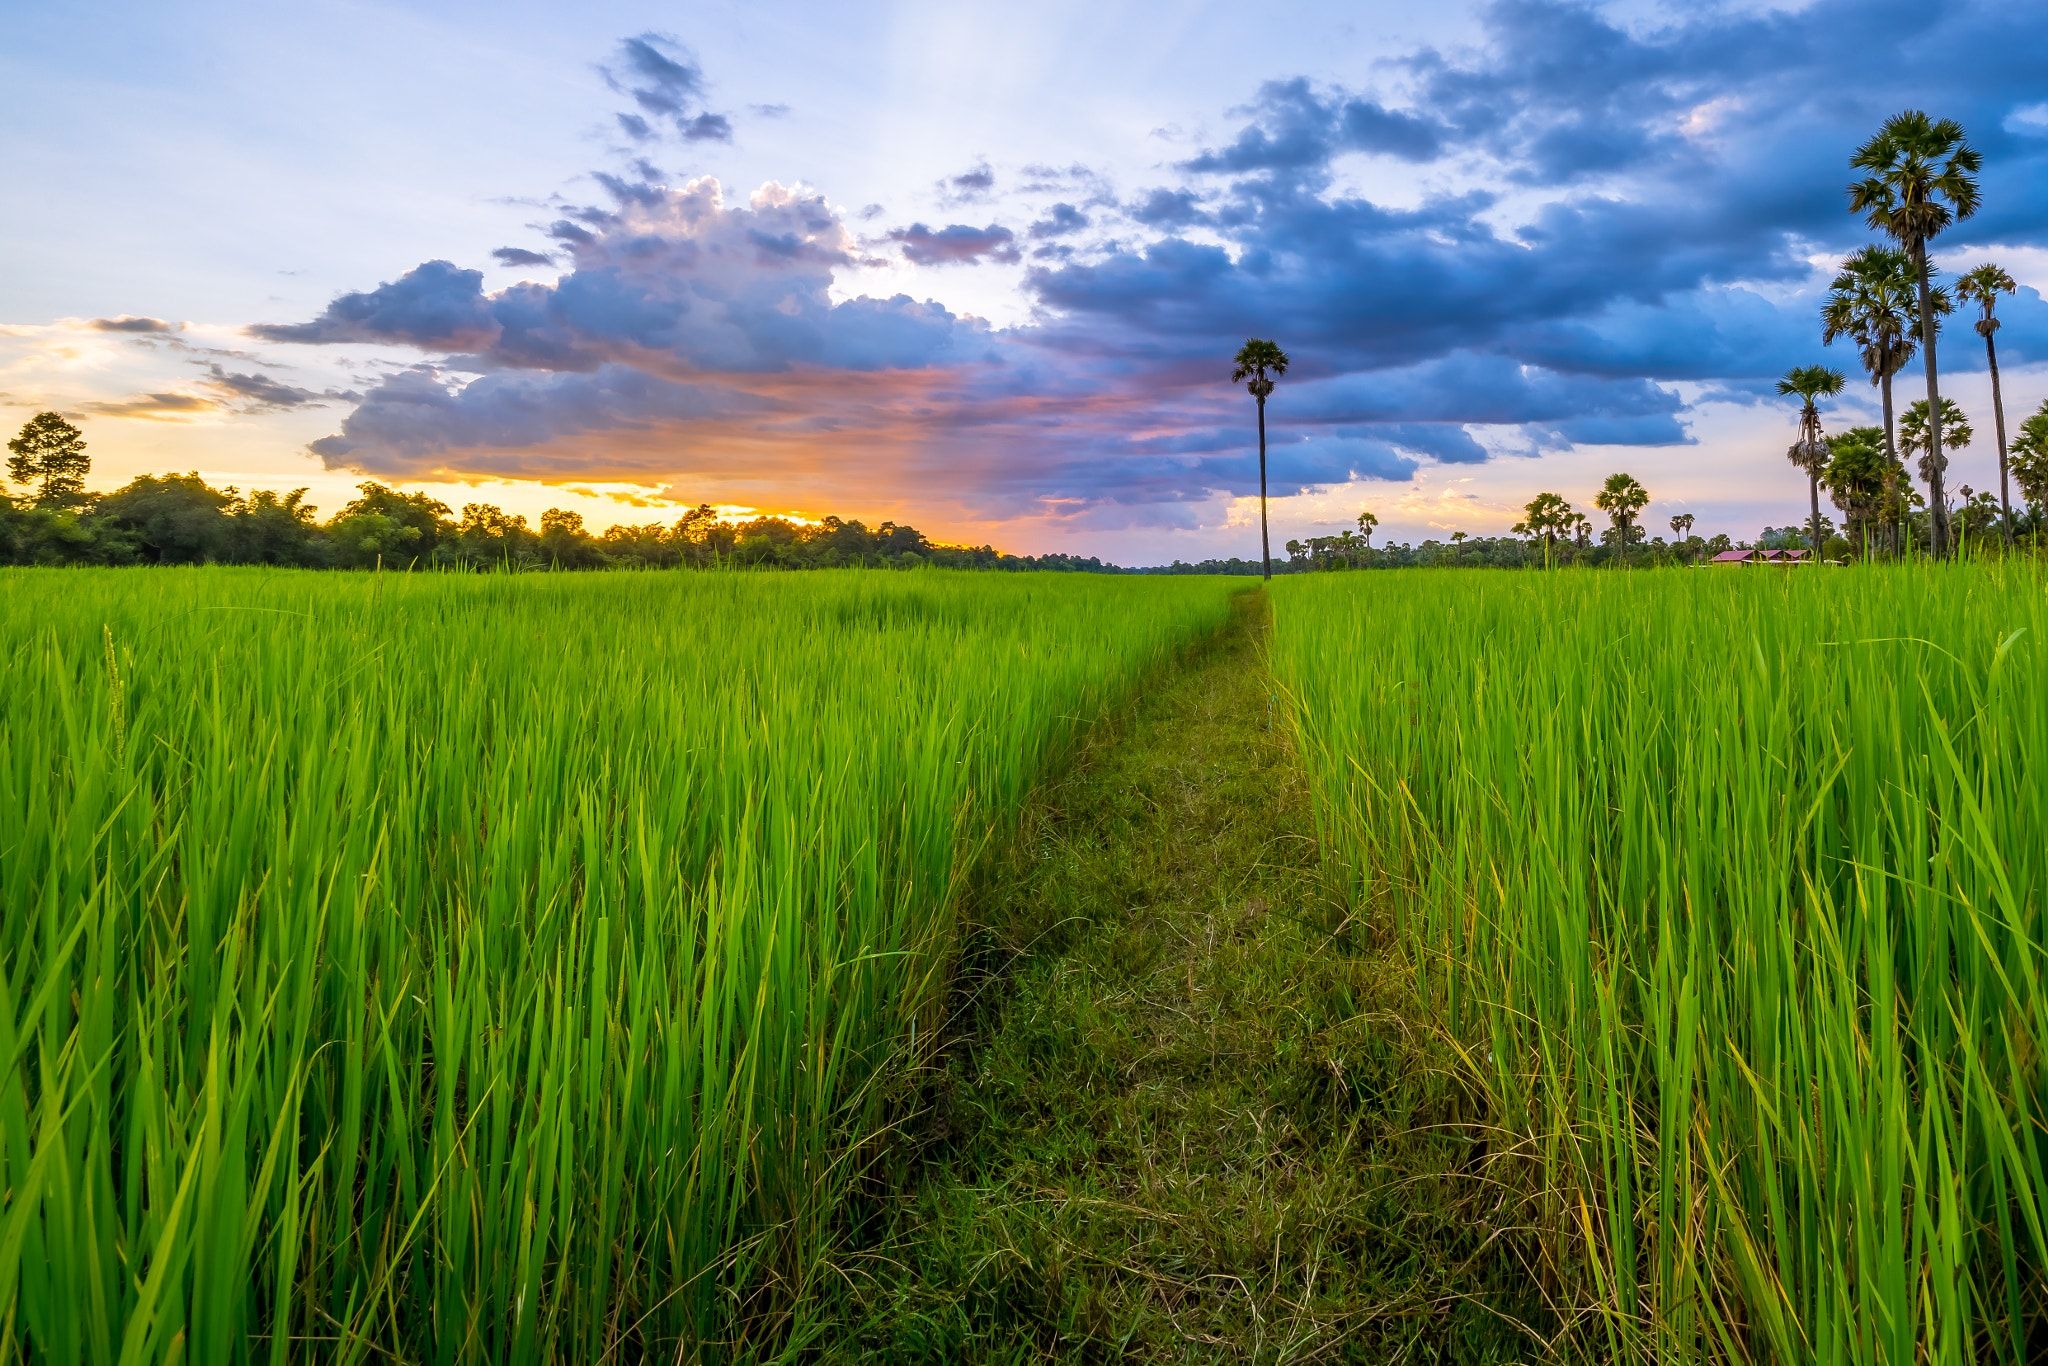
pixel 667 88
pixel 407 422
pixel 1298 128
pixel 672 280
pixel 957 244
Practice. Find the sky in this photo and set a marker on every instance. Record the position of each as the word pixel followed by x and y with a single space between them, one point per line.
pixel 981 268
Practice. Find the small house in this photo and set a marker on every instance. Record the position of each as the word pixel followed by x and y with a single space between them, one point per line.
pixel 1759 556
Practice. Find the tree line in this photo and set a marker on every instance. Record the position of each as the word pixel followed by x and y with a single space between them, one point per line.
pixel 181 519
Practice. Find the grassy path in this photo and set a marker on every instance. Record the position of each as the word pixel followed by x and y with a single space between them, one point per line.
pixel 1189 1119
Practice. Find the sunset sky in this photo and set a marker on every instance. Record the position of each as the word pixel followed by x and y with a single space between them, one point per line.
pixel 982 267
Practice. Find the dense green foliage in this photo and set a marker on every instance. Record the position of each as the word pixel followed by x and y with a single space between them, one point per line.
pixel 484 967
pixel 1732 890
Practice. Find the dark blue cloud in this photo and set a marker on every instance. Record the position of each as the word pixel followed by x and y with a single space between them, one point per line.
pixel 663 79
pixel 1061 220
pixel 956 244
pixel 437 305
pixel 1169 209
pixel 129 323
pixel 520 256
pixel 1297 128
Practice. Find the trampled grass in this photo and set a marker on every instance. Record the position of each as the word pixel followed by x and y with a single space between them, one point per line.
pixel 483 968
pixel 1732 885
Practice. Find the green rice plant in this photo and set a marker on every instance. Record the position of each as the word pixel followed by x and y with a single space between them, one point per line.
pixel 1733 889
pixel 487 968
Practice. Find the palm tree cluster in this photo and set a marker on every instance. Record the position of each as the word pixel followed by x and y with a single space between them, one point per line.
pixel 1918 178
pixel 1549 518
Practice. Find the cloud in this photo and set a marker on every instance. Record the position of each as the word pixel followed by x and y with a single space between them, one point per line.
pixel 437 304
pixel 130 323
pixel 262 393
pixel 1165 208
pixel 520 256
pixel 956 244
pixel 160 407
pixel 1061 220
pixel 663 80
pixel 675 281
pixel 971 186
pixel 1298 128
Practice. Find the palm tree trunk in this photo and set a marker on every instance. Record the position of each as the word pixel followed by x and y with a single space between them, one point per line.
pixel 1265 543
pixel 1937 510
pixel 1891 451
pixel 1813 487
pixel 1998 417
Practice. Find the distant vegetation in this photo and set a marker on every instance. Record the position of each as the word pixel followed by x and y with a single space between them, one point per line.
pixel 181 519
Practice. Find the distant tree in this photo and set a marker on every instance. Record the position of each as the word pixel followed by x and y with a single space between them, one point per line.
pixel 1582 530
pixel 50 453
pixel 1621 498
pixel 269 529
pixel 1681 527
pixel 2030 461
pixel 1548 517
pixel 1864 484
pixel 171 519
pixel 1366 522
pixel 1919 178
pixel 1917 438
pixel 1810 452
pixel 384 526
pixel 1258 363
pixel 1982 287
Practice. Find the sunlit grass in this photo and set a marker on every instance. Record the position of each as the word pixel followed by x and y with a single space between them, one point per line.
pixel 486 968
pixel 1731 885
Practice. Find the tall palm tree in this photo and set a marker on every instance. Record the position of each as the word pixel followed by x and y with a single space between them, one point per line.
pixel 1621 498
pixel 1982 287
pixel 1258 361
pixel 1919 179
pixel 1874 300
pixel 1549 516
pixel 1810 451
pixel 1366 522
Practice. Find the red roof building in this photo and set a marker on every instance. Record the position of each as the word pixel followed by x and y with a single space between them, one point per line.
pixel 1754 556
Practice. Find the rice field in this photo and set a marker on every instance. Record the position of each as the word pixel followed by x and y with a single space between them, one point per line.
pixel 484 968
pixel 1732 890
